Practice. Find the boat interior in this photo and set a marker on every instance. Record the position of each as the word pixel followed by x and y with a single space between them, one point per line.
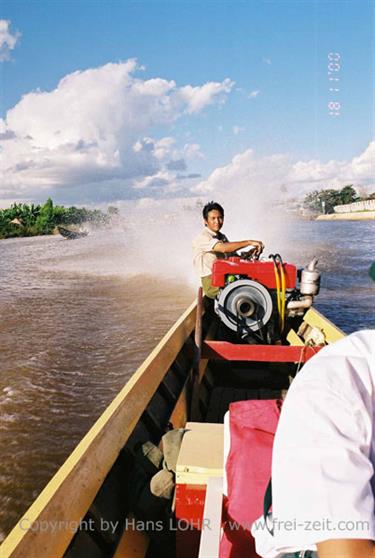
pixel 218 383
pixel 187 382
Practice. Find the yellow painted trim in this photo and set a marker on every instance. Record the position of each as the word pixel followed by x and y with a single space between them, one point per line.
pixel 197 477
pixel 331 332
pixel 294 339
pixel 71 491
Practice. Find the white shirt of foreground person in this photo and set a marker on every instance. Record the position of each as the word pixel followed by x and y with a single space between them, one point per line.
pixel 324 452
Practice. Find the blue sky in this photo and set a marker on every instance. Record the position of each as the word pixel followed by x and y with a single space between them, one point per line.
pixel 275 55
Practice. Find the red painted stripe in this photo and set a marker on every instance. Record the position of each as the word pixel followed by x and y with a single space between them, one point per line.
pixel 218 350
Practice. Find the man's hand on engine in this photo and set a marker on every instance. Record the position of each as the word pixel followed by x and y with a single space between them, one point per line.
pixel 230 247
pixel 248 255
pixel 258 246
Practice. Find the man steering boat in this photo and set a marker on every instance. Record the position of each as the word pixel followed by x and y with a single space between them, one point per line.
pixel 211 244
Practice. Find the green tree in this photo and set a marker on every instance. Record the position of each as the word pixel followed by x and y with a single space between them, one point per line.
pixel 324 201
pixel 348 195
pixel 45 223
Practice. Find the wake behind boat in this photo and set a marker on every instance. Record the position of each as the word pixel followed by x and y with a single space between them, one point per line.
pixel 71 234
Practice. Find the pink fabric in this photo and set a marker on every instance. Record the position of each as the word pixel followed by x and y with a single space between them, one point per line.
pixel 252 428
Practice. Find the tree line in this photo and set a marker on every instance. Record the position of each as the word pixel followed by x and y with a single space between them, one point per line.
pixel 324 201
pixel 22 219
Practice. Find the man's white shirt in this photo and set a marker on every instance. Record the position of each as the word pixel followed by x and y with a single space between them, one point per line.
pixel 203 254
pixel 324 452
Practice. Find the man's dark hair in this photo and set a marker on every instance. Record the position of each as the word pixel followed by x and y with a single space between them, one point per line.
pixel 209 207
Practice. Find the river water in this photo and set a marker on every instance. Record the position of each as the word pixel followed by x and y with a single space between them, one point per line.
pixel 78 317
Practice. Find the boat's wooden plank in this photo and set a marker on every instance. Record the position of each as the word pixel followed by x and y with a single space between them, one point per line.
pixel 71 491
pixel 198 330
pixel 204 361
pixel 211 525
pixel 133 544
pixel 195 410
pixel 294 339
pixel 315 319
pixel 181 411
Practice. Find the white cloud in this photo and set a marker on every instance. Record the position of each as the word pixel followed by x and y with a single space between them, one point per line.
pixel 261 177
pixel 8 39
pixel 363 166
pixel 360 170
pixel 244 172
pixel 238 129
pixel 167 153
pixel 253 94
pixel 95 127
pixel 193 151
pixel 201 96
pixel 157 180
pixel 267 60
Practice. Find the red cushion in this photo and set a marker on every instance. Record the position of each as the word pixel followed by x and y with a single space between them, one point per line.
pixel 252 428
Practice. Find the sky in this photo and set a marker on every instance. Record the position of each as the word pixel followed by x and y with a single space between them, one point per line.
pixel 102 102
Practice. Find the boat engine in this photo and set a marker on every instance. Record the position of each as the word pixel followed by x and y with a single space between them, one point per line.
pixel 256 297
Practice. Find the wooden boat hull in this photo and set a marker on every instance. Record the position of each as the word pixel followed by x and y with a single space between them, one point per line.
pixel 180 378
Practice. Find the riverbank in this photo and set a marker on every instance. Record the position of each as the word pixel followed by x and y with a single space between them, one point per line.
pixel 22 220
pixel 353 216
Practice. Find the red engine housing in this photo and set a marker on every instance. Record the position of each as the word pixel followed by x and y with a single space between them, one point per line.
pixel 263 272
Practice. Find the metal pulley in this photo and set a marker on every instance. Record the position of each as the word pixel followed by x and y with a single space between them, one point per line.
pixel 244 304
